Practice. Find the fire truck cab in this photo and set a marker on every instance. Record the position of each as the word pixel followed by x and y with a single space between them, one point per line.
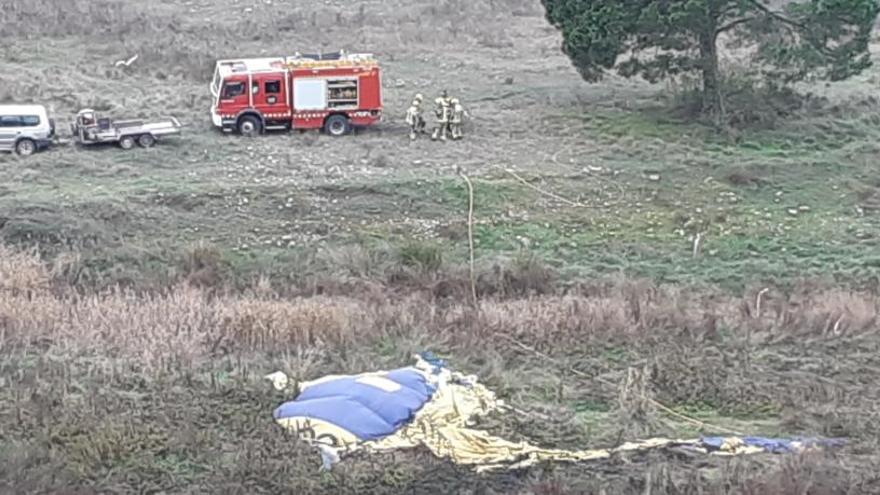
pixel 330 92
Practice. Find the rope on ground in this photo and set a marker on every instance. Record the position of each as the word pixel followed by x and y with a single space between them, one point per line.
pixel 696 422
pixel 563 199
pixel 470 224
pixel 620 190
pixel 655 403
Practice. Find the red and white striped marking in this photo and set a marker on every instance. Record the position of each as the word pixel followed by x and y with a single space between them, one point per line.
pixel 311 115
pixel 265 115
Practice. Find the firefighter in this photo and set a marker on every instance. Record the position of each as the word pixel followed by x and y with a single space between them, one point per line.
pixel 458 115
pixel 421 124
pixel 442 111
pixel 414 118
pixel 445 95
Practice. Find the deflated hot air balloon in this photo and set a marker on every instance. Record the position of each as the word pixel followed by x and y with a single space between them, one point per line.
pixel 428 404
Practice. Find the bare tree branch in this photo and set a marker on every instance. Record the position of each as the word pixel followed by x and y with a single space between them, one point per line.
pixel 776 15
pixel 794 27
pixel 732 25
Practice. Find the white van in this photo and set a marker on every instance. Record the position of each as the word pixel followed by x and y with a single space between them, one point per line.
pixel 25 129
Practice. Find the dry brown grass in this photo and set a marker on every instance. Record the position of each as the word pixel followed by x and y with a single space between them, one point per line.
pixel 22 271
pixel 19 18
pixel 806 475
pixel 37 302
pixel 186 347
pixel 145 339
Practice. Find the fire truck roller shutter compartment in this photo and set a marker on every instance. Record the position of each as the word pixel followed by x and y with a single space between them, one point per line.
pixel 342 93
pixel 309 94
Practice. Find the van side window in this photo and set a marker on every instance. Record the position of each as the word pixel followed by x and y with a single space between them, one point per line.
pixel 273 87
pixel 30 120
pixel 233 89
pixel 10 121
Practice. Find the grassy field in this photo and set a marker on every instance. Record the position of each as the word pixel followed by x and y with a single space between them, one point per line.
pixel 144 293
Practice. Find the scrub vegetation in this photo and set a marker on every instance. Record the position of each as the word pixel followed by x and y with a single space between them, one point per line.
pixel 624 253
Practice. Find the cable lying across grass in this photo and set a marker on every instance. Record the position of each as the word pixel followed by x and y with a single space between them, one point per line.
pixel 555 159
pixel 470 217
pixel 557 197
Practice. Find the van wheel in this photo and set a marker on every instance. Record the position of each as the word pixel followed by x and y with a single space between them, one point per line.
pixel 126 142
pixel 25 147
pixel 337 125
pixel 249 126
pixel 146 141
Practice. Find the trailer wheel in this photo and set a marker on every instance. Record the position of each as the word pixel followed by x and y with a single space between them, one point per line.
pixel 146 140
pixel 126 142
pixel 25 147
pixel 337 125
pixel 249 126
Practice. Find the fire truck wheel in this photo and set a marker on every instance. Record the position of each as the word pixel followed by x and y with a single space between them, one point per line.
pixel 249 126
pixel 146 140
pixel 126 142
pixel 337 125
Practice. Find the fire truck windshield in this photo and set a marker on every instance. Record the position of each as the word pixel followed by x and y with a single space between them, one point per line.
pixel 215 83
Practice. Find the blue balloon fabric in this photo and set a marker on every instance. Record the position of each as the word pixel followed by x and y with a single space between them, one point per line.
pixel 775 445
pixel 432 359
pixel 340 412
pixel 370 408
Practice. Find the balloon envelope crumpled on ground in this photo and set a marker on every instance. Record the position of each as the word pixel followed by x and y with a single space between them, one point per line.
pixel 428 404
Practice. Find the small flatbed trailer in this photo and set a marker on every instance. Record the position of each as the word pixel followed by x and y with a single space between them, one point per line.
pixel 91 128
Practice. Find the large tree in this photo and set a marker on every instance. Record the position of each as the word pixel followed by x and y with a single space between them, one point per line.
pixel 658 38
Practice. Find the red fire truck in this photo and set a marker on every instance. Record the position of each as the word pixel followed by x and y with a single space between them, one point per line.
pixel 331 92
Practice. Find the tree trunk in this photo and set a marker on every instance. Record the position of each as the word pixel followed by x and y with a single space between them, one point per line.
pixel 713 103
